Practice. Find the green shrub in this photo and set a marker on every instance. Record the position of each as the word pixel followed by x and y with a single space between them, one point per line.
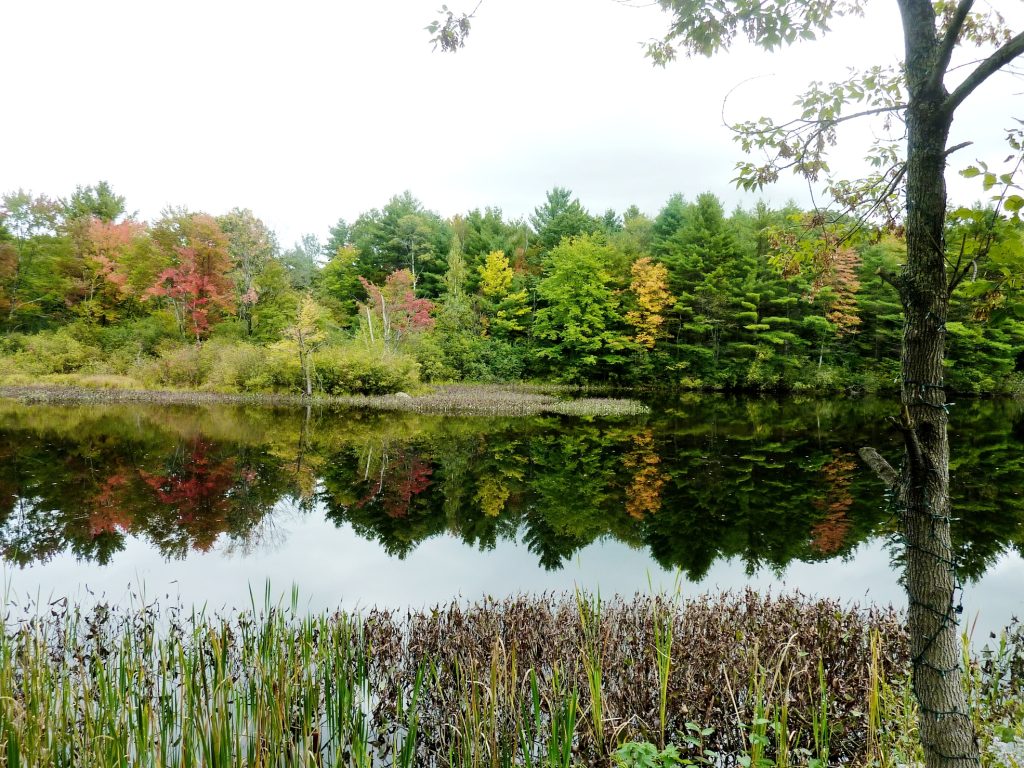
pixel 429 351
pixel 237 367
pixel 881 376
pixel 142 336
pixel 59 352
pixel 8 367
pixel 355 370
pixel 476 358
pixel 180 367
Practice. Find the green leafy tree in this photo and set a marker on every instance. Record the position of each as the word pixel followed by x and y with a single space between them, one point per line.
pixel 99 202
pixel 33 284
pixel 337 285
pixel 277 302
pixel 338 237
pixel 483 232
pixel 504 309
pixel 302 262
pixel 402 235
pixel 306 333
pixel 579 328
pixel 926 92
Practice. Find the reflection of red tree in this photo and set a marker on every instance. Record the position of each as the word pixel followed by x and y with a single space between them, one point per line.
pixel 643 496
pixel 199 491
pixel 108 511
pixel 829 533
pixel 403 476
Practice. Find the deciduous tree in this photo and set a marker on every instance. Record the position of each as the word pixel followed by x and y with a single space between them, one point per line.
pixel 392 311
pixel 251 245
pixel 197 286
pixel 580 324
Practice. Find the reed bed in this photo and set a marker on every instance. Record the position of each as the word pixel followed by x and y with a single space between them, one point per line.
pixel 454 399
pixel 528 681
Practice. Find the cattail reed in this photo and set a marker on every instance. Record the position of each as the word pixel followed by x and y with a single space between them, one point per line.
pixel 552 681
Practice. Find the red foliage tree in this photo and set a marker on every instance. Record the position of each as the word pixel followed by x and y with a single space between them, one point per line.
pixel 393 311
pixel 197 287
pixel 108 511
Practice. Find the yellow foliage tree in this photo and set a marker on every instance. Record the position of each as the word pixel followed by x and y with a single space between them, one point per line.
pixel 649 286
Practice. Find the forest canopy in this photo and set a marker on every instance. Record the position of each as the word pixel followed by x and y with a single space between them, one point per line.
pixel 690 297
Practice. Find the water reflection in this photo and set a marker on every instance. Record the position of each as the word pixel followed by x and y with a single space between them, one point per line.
pixel 764 483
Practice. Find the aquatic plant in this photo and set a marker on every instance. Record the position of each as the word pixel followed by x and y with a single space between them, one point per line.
pixel 551 681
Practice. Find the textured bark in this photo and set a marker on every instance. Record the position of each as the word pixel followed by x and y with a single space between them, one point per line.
pixel 922 492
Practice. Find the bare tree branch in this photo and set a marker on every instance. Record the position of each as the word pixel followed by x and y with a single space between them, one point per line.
pixel 945 52
pixel 880 466
pixel 957 147
pixel 987 68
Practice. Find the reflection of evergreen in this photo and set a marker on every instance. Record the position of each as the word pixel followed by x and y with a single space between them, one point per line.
pixel 760 481
pixel 987 482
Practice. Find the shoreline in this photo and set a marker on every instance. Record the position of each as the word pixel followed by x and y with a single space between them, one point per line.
pixel 452 399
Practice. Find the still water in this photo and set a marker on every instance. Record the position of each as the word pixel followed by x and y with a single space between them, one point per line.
pixel 207 503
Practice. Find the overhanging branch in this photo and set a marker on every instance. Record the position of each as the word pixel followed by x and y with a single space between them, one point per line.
pixel 880 466
pixel 987 68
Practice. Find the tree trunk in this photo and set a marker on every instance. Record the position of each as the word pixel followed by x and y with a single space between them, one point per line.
pixel 922 493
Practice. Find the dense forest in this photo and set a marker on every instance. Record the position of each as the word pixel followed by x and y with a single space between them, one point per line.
pixel 691 298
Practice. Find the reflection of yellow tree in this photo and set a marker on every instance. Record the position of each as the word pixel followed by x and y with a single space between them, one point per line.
pixel 829 533
pixel 492 494
pixel 643 496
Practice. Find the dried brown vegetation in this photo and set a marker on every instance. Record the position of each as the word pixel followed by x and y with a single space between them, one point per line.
pixel 721 644
pixel 550 680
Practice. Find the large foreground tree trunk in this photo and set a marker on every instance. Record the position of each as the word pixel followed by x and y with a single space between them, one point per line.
pixel 922 487
pixel 923 492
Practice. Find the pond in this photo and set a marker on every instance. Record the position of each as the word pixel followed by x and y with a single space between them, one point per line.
pixel 208 504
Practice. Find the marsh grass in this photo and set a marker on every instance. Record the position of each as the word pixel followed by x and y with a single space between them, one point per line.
pixel 550 681
pixel 455 399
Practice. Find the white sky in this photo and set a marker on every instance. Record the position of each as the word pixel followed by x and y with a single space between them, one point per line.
pixel 308 111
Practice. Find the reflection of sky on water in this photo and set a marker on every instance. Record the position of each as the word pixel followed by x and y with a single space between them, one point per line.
pixel 335 567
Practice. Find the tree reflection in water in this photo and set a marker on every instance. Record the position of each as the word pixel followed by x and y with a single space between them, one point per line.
pixel 766 482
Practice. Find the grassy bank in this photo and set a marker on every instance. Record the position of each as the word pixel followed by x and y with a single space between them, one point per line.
pixel 483 400
pixel 571 681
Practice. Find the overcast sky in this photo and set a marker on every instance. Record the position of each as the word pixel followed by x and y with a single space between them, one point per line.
pixel 309 111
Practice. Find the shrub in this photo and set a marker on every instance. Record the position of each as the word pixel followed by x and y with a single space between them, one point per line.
pixel 237 367
pixel 354 370
pixel 429 351
pixel 142 336
pixel 8 367
pixel 60 352
pixel 179 367
pixel 479 359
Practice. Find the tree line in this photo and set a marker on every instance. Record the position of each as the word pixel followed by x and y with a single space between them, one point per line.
pixel 691 297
